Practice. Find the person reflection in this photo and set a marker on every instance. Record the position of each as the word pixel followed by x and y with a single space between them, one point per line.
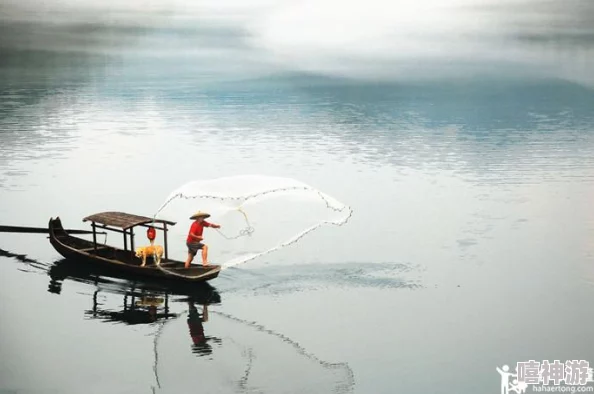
pixel 200 345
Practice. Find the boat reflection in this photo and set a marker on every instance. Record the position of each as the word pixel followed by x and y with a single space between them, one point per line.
pixel 142 302
pixel 139 308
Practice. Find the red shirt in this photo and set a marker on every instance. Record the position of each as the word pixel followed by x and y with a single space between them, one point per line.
pixel 197 229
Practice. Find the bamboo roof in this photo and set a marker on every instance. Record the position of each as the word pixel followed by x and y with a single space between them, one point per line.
pixel 122 220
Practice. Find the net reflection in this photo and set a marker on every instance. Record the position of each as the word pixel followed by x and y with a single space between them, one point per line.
pixel 177 319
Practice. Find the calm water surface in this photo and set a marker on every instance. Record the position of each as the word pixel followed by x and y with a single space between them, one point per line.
pixel 470 245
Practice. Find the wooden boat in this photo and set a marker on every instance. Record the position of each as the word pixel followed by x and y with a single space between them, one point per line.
pixel 119 282
pixel 124 260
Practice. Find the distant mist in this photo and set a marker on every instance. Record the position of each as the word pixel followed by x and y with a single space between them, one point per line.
pixel 371 39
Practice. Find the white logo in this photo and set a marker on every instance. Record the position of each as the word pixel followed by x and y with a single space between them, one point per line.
pixel 548 374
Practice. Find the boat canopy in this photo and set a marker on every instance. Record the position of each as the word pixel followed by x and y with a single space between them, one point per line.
pixel 123 220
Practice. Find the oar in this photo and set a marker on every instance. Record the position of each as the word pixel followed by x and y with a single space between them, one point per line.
pixel 39 230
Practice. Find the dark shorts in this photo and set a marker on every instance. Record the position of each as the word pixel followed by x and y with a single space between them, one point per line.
pixel 194 247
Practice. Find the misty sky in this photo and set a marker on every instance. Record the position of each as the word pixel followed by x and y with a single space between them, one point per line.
pixel 399 40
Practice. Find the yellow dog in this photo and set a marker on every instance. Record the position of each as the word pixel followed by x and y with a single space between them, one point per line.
pixel 152 250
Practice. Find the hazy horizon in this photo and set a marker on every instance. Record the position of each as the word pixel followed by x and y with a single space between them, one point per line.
pixel 361 40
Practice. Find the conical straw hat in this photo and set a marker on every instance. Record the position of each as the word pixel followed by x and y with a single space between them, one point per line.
pixel 199 214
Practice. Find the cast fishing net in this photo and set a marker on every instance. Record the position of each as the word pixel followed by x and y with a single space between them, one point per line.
pixel 258 215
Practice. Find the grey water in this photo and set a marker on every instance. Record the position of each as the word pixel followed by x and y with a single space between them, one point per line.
pixel 470 245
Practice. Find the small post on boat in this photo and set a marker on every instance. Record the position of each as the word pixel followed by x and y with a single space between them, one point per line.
pixel 94 236
pixel 125 240
pixel 132 240
pixel 165 239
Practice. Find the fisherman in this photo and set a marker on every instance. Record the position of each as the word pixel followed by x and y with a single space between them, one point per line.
pixel 194 239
